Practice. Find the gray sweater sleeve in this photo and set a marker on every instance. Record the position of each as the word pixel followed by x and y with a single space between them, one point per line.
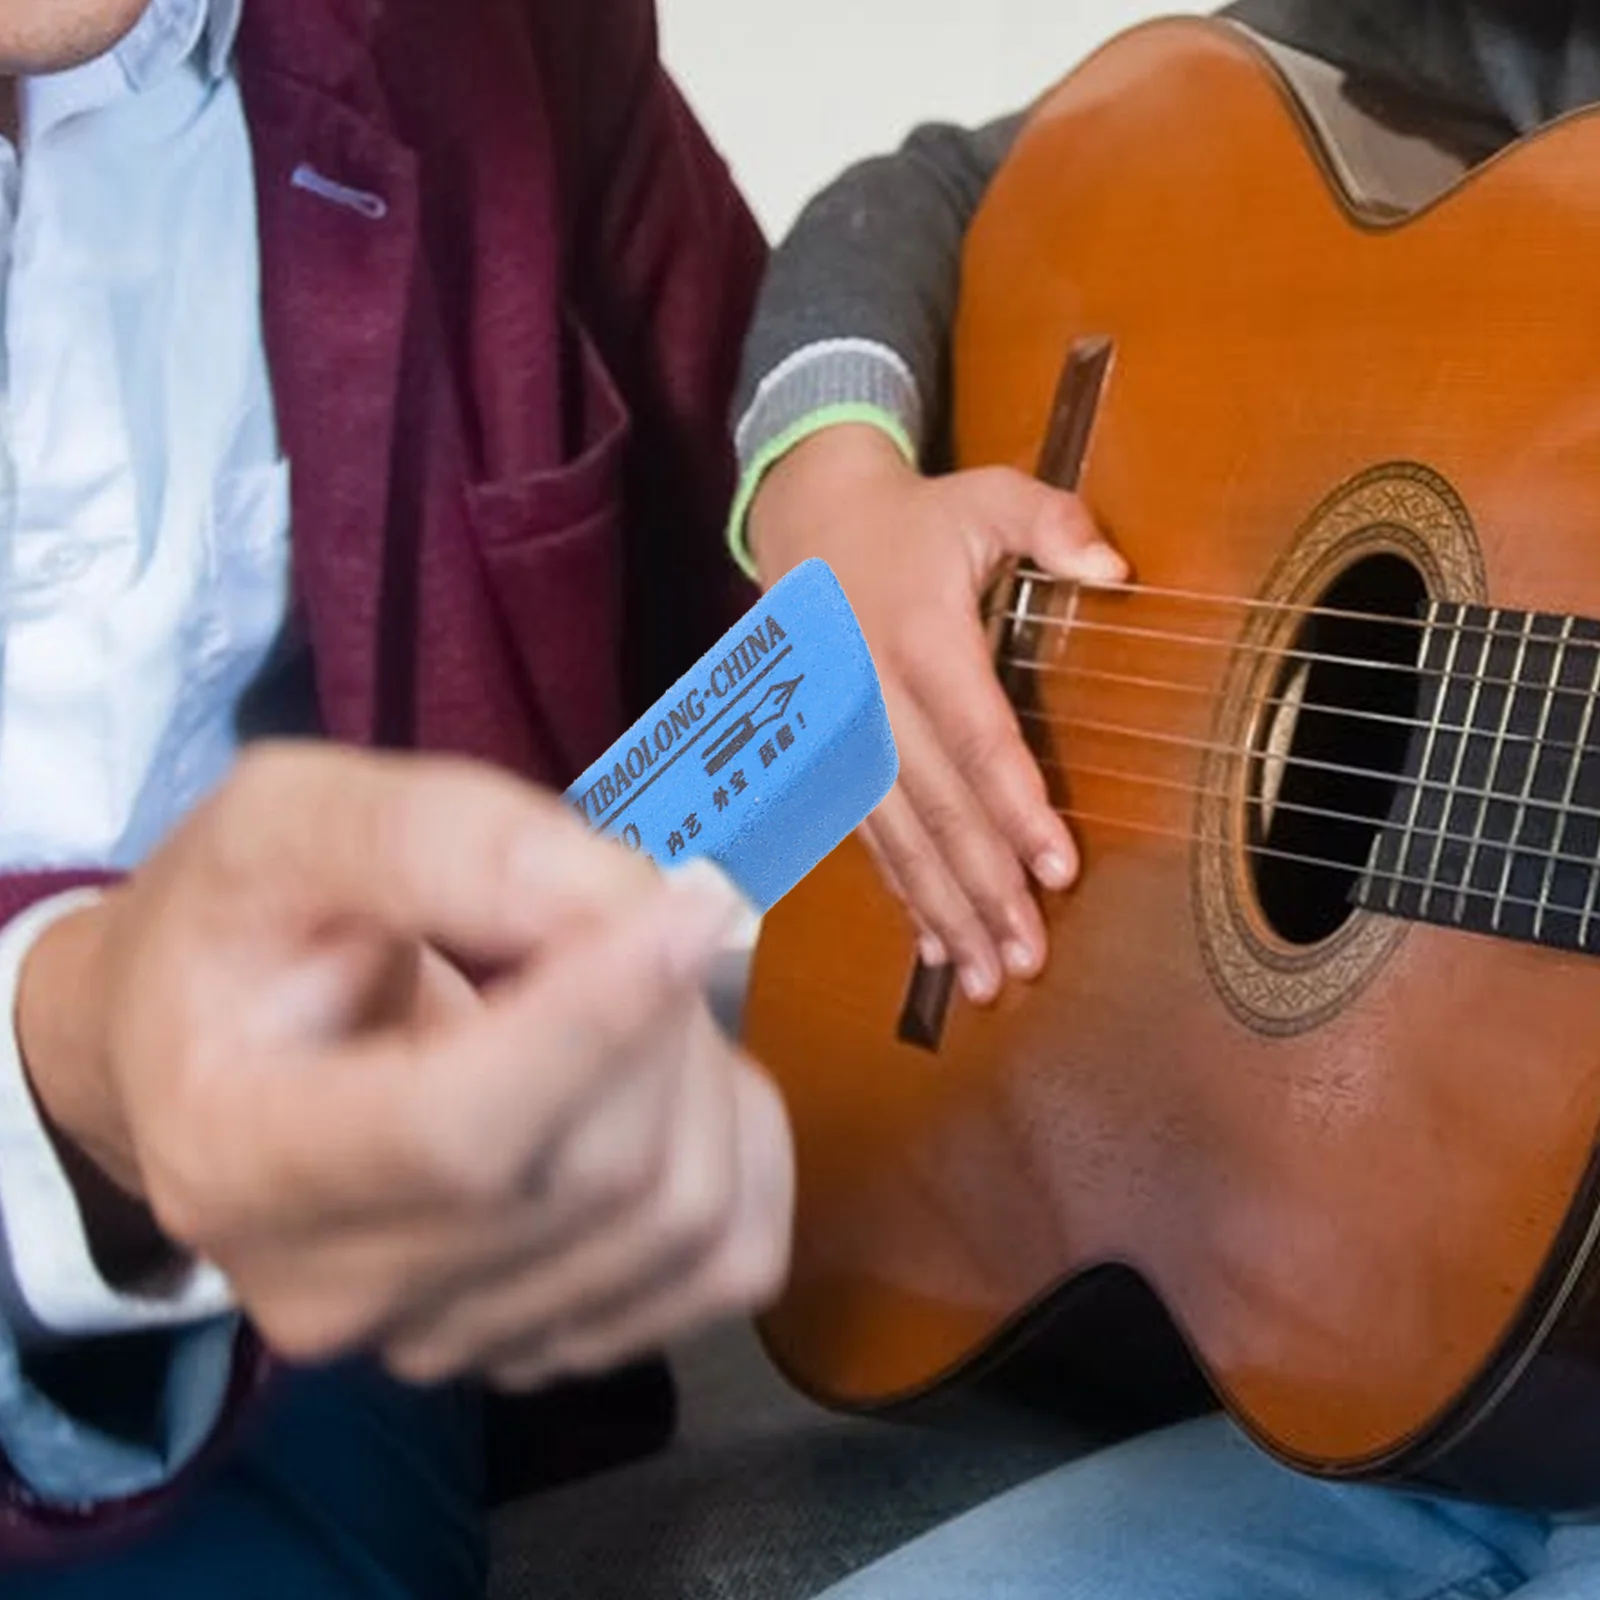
pixel 859 298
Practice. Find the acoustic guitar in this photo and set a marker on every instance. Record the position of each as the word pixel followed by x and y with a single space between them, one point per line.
pixel 1302 1116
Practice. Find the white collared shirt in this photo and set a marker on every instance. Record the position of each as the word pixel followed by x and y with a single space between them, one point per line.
pixel 144 537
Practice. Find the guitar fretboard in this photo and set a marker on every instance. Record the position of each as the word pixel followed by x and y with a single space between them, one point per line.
pixel 1495 825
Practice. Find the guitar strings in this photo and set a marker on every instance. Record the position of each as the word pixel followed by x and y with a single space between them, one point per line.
pixel 1422 785
pixel 1320 707
pixel 1436 837
pixel 1289 608
pixel 1431 835
pixel 1429 888
pixel 1293 653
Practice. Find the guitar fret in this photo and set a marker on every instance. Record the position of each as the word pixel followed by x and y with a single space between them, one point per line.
pixel 1408 829
pixel 1070 621
pixel 1588 911
pixel 1502 787
pixel 1015 627
pixel 1569 793
pixel 1520 815
pixel 1023 606
pixel 1463 745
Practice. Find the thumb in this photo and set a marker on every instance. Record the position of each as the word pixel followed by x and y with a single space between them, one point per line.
pixel 421 849
pixel 1024 517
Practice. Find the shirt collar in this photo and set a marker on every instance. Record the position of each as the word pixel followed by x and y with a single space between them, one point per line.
pixel 172 32
pixel 169 35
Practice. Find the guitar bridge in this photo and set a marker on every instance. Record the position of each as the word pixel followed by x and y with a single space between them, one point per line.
pixel 927 1004
pixel 1061 462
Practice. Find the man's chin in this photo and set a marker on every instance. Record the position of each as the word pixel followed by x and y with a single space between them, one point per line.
pixel 39 36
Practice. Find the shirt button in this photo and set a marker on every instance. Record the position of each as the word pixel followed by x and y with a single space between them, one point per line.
pixel 63 562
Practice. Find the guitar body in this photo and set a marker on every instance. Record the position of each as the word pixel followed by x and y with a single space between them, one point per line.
pixel 1351 1151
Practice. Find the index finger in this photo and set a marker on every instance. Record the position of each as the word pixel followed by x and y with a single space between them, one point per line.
pixel 448 851
pixel 956 688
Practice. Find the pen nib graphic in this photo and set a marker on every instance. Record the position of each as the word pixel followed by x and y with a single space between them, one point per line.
pixel 739 733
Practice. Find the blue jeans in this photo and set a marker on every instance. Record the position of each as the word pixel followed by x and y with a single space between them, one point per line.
pixel 1197 1513
pixel 346 1487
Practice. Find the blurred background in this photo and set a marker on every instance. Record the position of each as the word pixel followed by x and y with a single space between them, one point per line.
pixel 794 91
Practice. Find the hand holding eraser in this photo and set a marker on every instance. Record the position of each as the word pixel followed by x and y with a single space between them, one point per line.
pixel 764 756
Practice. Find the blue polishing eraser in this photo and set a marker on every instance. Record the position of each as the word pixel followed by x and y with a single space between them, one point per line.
pixel 763 757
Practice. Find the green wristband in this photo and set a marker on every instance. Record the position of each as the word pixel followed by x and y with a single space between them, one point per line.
pixel 777 447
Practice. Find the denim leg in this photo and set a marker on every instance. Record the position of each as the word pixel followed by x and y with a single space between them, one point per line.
pixel 348 1486
pixel 1570 1568
pixel 1198 1513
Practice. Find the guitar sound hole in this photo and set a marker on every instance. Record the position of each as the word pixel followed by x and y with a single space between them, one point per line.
pixel 1331 746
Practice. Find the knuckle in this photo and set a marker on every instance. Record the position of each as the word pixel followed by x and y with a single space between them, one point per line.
pixel 997 885
pixel 473 1166
pixel 989 869
pixel 1016 784
pixel 619 1173
pixel 423 1362
pixel 1010 500
pixel 773 1139
pixel 932 901
pixel 693 1209
pixel 752 1272
pixel 944 817
pixel 185 1215
pixel 982 748
pixel 754 1263
pixel 193 1195
pixel 890 836
pixel 967 936
pixel 1000 480
pixel 459 1147
pixel 985 873
pixel 1005 880
pixel 310 1330
pixel 931 895
pixel 1063 514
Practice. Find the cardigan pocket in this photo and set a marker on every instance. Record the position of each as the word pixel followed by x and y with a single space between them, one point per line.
pixel 551 542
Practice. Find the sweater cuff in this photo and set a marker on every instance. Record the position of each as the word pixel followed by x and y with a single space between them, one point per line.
pixel 821 386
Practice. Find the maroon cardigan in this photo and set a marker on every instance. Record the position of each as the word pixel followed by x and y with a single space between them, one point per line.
pixel 503 399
